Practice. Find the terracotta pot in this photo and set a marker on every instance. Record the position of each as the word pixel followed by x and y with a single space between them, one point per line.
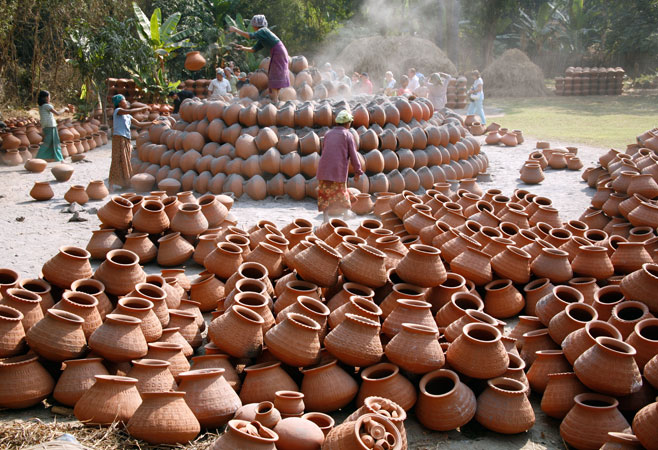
pixel 62 172
pixel 502 299
pixel 151 217
pixel 587 424
pixel 311 308
pixel 25 382
pixel 547 362
pixel 638 286
pixel 263 412
pixel 173 250
pixel 42 191
pixel 171 353
pixel 605 299
pixel 69 265
pixel 200 385
pixel 425 256
pixel 558 397
pixel 457 307
pixel 152 421
pixel 626 315
pixel 644 425
pixel 621 375
pixel 263 381
pixel 142 246
pixel 504 408
pixel 102 241
pixel 189 321
pixel 120 272
pixel 238 332
pixel 355 341
pixel 12 340
pixel 355 434
pixel 644 340
pixel 141 309
pixel 289 403
pixel 224 260
pixel 246 435
pixel 58 336
pixel 27 303
pixel 110 399
pixel 152 375
pixel 314 387
pixel 482 340
pixel 117 213
pixel 572 318
pixel 96 190
pixel 119 339
pixel 407 311
pixel 324 263
pixel 83 305
pixel 621 441
pixel 172 335
pixel 385 380
pixel 189 220
pixel 96 289
pixel 77 378
pixel 552 304
pixel 295 340
pixel 155 295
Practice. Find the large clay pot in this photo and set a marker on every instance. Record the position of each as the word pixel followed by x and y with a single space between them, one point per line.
pixel 587 424
pixel 502 299
pixel 152 375
pixel 425 256
pixel 314 387
pixel 503 407
pixel 77 378
pixel 27 303
pixel 200 385
pixel 119 339
pixel 154 421
pixel 58 336
pixel 83 305
pixel 102 241
pixel 558 397
pixel 355 341
pixel 25 382
pixel 111 399
pixel 218 361
pixel 238 332
pixel 142 246
pixel 12 333
pixel 354 434
pixel 172 353
pixel 385 380
pixel 173 250
pixel 640 285
pixel 69 265
pixel 478 352
pixel 318 264
pixel 62 172
pixel 194 61
pixel 151 217
pixel 120 272
pixel 42 191
pixel 644 426
pixel 644 340
pixel 117 213
pixel 245 435
pixel 263 381
pixel 295 340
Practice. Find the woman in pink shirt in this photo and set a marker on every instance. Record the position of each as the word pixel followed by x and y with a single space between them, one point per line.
pixel 338 151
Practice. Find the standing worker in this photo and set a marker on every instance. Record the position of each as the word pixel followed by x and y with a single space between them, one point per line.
pixel 338 151
pixel 278 72
pixel 476 95
pixel 219 86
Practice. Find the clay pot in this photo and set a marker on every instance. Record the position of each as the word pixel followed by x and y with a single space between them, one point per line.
pixel 25 382
pixel 152 375
pixel 96 190
pixel 151 217
pixel 295 340
pixel 58 336
pixel 102 241
pixel 644 425
pixel 194 61
pixel 263 381
pixel 27 303
pixel 77 378
pixel 12 340
pixel 644 340
pixel 41 191
pixel 484 341
pixel 638 286
pixel 119 339
pixel 502 299
pixel 110 399
pixel 314 387
pixel 241 322
pixel 189 220
pixel 558 397
pixel 552 304
pixel 621 375
pixel 120 272
pixel 200 385
pixel 385 380
pixel 429 357
pixel 356 434
pixel 62 172
pixel 355 341
pixel 626 315
pixel 425 256
pixel 318 264
pixel 547 362
pixel 243 434
pixel 141 245
pixel 173 250
pixel 172 353
pixel 117 213
pixel 152 421
pixel 407 311
pixel 69 265
pixel 224 260
pixel 83 305
pixel 587 424
pixel 572 318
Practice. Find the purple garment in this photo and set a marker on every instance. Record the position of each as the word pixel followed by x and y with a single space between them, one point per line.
pixel 278 72
pixel 338 150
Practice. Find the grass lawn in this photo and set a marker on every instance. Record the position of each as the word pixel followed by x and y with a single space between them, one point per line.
pixel 602 121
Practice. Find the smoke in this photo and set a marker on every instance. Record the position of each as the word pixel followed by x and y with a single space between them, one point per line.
pixel 392 35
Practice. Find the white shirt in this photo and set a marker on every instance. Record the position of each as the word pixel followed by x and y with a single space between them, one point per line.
pixel 477 83
pixel 413 83
pixel 391 84
pixel 218 88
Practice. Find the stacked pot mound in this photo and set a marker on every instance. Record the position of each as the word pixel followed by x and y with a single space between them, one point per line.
pixel 456 93
pixel 590 81
pixel 259 149
pixel 324 319
pixel 532 171
pixel 21 142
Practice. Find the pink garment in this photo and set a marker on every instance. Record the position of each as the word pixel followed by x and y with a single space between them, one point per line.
pixel 338 150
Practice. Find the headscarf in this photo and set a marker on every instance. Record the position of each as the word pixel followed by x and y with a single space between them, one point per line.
pixel 117 99
pixel 259 21
pixel 344 117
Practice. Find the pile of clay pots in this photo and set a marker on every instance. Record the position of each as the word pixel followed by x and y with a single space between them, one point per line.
pixel 259 149
pixel 502 136
pixel 626 188
pixel 543 157
pixel 314 320
pixel 590 81
pixel 456 93
pixel 123 86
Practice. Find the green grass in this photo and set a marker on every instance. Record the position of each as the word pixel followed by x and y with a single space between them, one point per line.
pixel 601 121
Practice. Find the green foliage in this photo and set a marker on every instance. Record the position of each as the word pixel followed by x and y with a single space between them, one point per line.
pixel 154 85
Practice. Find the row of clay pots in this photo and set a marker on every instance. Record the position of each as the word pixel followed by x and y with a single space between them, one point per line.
pixel 532 171
pixel 95 190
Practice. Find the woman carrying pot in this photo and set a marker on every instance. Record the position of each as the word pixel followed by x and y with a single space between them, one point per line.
pixel 278 71
pixel 476 94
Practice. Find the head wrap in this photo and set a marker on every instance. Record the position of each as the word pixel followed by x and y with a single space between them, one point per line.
pixel 117 99
pixel 259 21
pixel 344 117
pixel 219 70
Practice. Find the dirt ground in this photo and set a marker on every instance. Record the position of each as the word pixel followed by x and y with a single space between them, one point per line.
pixel 31 232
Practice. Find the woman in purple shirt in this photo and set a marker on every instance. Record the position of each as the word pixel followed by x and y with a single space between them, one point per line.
pixel 338 151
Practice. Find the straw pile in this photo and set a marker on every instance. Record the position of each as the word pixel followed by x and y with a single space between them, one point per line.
pixel 513 75
pixel 377 54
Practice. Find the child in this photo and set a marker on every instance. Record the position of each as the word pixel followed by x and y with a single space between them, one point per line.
pixel 120 167
pixel 50 149
pixel 338 150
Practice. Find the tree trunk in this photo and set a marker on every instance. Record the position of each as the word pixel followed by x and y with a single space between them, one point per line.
pixel 453 15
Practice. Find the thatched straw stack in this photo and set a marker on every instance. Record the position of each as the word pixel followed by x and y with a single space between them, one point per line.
pixel 513 75
pixel 377 54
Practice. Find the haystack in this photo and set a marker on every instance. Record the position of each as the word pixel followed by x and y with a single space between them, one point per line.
pixel 377 54
pixel 513 75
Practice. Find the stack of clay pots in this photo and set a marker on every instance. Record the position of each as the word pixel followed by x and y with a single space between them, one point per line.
pixel 324 319
pixel 532 171
pixel 590 81
pixel 258 149
pixel 81 137
pixel 20 141
pixel 502 136
pixel 123 86
pixel 456 93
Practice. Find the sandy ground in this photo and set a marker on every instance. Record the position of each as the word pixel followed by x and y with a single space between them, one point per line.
pixel 31 232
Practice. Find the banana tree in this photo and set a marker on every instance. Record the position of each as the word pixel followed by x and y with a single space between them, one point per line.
pixel 163 38
pixel 250 59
